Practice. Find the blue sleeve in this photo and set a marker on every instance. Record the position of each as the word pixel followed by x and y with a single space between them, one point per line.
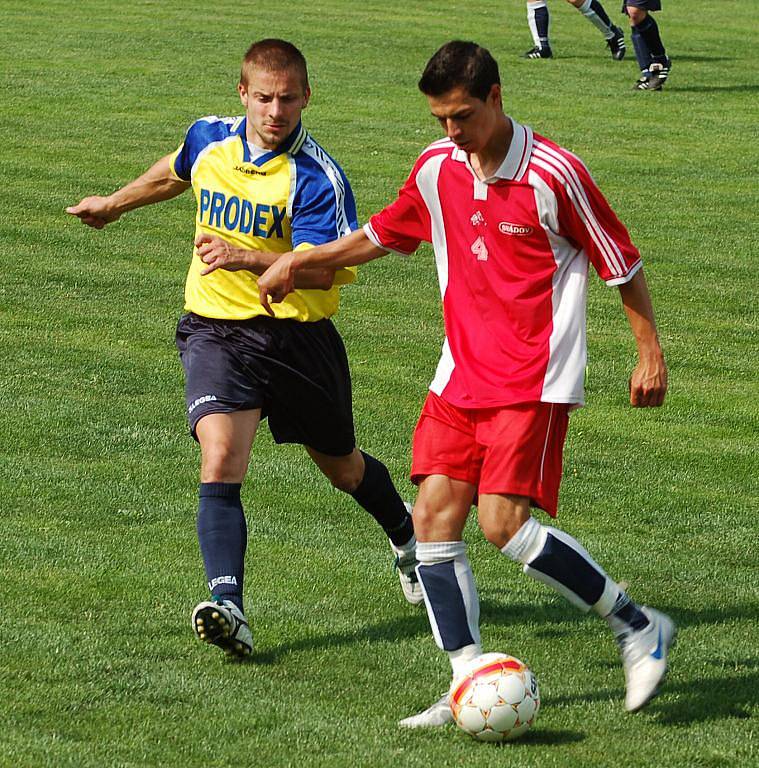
pixel 323 207
pixel 199 135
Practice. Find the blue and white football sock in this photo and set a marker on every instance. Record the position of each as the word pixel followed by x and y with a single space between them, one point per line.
pixel 450 596
pixel 223 537
pixel 378 496
pixel 557 559
pixel 539 20
pixel 594 12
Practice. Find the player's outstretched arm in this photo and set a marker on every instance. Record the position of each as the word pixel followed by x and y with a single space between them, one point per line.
pixel 158 183
pixel 648 383
pixel 349 251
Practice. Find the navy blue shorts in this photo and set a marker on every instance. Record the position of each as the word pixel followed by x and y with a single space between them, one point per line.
pixel 297 373
pixel 646 5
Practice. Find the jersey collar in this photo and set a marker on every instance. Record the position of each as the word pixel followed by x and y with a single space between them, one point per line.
pixel 291 144
pixel 514 165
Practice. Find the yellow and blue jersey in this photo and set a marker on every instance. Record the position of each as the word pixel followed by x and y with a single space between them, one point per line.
pixel 293 197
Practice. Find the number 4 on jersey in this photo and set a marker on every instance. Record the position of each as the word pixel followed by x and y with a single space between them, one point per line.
pixel 479 249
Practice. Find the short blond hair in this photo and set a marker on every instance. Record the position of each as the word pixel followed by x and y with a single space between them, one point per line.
pixel 273 55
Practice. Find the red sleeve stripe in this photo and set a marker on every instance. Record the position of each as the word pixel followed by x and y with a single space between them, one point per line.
pixel 558 166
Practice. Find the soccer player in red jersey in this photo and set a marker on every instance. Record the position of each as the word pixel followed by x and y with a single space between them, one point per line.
pixel 515 221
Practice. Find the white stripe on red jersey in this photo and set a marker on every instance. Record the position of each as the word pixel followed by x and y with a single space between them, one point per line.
pixel 512 256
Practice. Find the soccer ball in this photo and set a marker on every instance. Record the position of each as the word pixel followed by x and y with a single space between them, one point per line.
pixel 496 698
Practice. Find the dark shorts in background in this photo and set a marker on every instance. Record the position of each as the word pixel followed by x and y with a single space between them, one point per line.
pixel 297 373
pixel 646 5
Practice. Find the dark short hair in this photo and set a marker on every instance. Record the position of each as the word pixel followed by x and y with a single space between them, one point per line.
pixel 460 63
pixel 273 55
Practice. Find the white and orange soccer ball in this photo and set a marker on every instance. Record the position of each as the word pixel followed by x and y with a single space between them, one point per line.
pixel 495 698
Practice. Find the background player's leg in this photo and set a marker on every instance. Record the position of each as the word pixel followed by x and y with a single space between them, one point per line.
pixel 538 19
pixel 642 54
pixel 595 13
pixel 646 29
pixel 368 481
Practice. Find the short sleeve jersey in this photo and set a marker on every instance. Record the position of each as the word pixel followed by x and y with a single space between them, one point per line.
pixel 512 255
pixel 295 196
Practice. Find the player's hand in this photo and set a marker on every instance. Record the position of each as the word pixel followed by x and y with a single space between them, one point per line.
pixel 218 254
pixel 276 282
pixel 94 211
pixel 648 383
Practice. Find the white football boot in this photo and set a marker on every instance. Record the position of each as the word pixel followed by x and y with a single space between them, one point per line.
pixel 223 624
pixel 644 657
pixel 405 565
pixel 437 714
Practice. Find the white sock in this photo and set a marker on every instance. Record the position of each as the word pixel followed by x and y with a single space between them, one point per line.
pixel 595 19
pixel 540 42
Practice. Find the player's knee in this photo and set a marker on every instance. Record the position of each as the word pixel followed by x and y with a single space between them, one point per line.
pixel 500 526
pixel 637 15
pixel 345 478
pixel 222 464
pixel 424 519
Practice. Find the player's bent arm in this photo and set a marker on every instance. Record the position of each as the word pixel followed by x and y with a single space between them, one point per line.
pixel 217 253
pixel 349 251
pixel 648 383
pixel 158 183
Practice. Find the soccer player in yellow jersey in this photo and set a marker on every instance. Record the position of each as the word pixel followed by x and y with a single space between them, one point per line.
pixel 262 183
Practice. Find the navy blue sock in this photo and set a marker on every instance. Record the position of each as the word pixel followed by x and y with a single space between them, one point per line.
pixel 223 536
pixel 642 54
pixel 377 495
pixel 542 20
pixel 446 605
pixel 626 612
pixel 649 31
pixel 566 564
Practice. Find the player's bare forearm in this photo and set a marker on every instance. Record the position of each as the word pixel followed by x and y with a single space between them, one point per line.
pixel 217 253
pixel 158 183
pixel 648 382
pixel 349 251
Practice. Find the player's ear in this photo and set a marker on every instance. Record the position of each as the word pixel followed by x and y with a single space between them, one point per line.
pixel 495 96
pixel 242 89
pixel 306 97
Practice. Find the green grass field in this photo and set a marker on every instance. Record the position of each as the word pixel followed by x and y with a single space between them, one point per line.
pixel 99 564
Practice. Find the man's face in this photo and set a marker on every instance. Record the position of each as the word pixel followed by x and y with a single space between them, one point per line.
pixel 468 121
pixel 273 102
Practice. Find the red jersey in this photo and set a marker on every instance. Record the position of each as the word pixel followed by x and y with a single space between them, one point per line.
pixel 512 257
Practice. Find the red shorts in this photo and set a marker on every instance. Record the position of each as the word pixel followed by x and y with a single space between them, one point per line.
pixel 512 449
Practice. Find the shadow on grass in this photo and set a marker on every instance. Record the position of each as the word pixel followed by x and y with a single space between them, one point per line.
pixel 417 625
pixel 695 701
pixel 550 736
pixel 715 88
pixel 677 58
pixel 722 695
pixel 551 619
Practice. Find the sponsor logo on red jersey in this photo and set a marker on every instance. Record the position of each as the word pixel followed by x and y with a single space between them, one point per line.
pixel 507 228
